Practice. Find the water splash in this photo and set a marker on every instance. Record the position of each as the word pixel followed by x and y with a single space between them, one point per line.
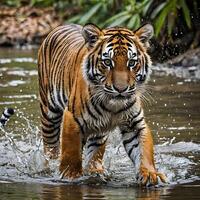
pixel 22 159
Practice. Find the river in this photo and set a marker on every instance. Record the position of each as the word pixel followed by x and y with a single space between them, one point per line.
pixel 172 110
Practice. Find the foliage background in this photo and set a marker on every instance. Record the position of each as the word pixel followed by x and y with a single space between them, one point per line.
pixel 176 22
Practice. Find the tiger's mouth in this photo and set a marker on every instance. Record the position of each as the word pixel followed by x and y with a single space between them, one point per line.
pixel 120 95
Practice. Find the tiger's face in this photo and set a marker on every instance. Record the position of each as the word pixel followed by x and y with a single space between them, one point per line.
pixel 117 61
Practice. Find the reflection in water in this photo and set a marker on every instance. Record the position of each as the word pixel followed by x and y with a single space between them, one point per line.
pixel 85 192
pixel 173 115
pixel 18 191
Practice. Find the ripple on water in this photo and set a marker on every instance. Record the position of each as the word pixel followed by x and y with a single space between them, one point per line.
pixel 13 83
pixel 20 60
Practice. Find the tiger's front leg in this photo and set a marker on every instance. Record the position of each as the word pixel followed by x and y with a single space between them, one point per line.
pixel 95 148
pixel 138 144
pixel 71 147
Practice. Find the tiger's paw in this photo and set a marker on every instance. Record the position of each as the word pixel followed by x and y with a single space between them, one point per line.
pixel 71 171
pixel 70 175
pixel 96 168
pixel 150 178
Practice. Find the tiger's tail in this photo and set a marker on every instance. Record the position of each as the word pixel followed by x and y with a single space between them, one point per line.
pixel 7 113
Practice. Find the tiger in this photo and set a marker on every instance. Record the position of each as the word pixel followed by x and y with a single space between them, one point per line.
pixel 89 83
pixel 7 113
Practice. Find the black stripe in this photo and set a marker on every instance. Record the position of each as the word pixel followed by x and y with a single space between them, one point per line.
pixel 55 110
pixel 95 144
pixel 130 150
pixel 124 131
pixel 51 95
pixel 96 107
pixel 74 99
pixel 52 119
pixel 3 121
pixel 85 123
pixel 81 127
pixel 57 134
pixel 46 130
pixel 54 38
pixel 6 116
pixel 90 112
pixel 128 38
pixel 110 45
pixel 136 134
pixel 135 116
pixel 59 89
pixel 130 139
pixel 49 125
pixel 93 103
pixel 103 107
pixel 51 142
pixel 126 107
pixel 10 111
pixel 96 138
pixel 136 122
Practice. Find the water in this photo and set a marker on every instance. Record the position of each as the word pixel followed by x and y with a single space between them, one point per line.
pixel 172 111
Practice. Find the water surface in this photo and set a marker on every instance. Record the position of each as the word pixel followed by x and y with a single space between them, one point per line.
pixel 172 111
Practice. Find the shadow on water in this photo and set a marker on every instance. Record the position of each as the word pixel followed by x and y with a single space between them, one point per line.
pixel 172 111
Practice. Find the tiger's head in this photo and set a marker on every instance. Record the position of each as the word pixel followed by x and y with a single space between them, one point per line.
pixel 117 61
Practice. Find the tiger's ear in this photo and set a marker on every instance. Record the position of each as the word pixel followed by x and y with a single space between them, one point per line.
pixel 91 34
pixel 145 32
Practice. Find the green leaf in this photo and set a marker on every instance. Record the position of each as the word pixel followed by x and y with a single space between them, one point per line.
pixel 137 23
pixel 74 19
pixel 158 9
pixel 115 17
pixel 140 6
pixel 134 22
pixel 146 7
pixel 160 20
pixel 85 18
pixel 171 21
pixel 120 21
pixel 186 12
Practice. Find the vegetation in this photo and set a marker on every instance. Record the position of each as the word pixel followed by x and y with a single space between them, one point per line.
pixel 172 19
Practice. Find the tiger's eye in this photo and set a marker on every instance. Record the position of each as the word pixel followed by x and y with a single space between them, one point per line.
pixel 131 63
pixel 107 62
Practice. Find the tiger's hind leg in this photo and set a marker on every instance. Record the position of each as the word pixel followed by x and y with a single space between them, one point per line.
pixel 51 122
pixel 71 147
pixel 95 148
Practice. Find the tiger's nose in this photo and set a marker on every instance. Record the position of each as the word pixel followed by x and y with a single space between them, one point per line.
pixel 120 88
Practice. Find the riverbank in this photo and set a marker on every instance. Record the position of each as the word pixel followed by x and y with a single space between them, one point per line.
pixel 26 25
pixel 186 65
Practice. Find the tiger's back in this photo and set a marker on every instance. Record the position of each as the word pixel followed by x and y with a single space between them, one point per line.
pixel 59 61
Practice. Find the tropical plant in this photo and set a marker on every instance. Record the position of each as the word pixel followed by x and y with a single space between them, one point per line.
pixel 132 13
pixel 113 13
pixel 167 13
pixel 164 14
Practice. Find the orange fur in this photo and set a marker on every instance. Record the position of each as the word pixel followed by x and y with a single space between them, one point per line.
pixel 71 157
